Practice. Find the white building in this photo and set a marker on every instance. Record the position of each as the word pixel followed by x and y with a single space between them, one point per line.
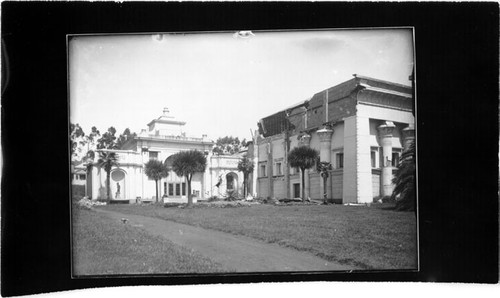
pixel 360 126
pixel 164 137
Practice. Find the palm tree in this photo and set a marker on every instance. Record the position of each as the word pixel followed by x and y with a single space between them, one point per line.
pixel 404 181
pixel 323 167
pixel 156 170
pixel 245 165
pixel 303 157
pixel 107 160
pixel 186 163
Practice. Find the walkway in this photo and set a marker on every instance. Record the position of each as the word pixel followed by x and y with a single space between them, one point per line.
pixel 236 253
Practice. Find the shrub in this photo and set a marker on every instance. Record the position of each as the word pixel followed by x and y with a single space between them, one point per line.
pixel 213 198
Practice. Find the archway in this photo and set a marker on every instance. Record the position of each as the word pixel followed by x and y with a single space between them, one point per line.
pixel 232 183
pixel 118 184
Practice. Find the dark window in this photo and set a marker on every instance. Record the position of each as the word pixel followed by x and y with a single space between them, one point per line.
pixel 177 189
pixel 340 160
pixel 153 155
pixel 296 190
pixel 278 169
pixel 170 189
pixel 263 172
pixel 229 182
pixel 374 160
pixel 395 159
pixel 183 188
pixel 164 187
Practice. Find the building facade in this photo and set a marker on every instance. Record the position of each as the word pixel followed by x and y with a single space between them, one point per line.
pixel 164 137
pixel 360 127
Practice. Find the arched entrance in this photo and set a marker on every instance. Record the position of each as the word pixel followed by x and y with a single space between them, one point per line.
pixel 118 184
pixel 232 183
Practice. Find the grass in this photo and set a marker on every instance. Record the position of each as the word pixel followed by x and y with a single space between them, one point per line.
pixel 102 246
pixel 366 237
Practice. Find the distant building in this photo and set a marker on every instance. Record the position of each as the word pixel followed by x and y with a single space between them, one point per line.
pixel 164 137
pixel 360 126
pixel 78 174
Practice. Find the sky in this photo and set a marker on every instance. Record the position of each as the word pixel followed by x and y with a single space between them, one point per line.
pixel 221 84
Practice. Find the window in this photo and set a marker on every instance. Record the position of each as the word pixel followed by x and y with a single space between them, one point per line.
pixel 183 188
pixel 262 170
pixel 177 189
pixel 170 189
pixel 279 170
pixel 395 159
pixel 164 188
pixel 374 159
pixel 153 155
pixel 339 160
pixel 81 176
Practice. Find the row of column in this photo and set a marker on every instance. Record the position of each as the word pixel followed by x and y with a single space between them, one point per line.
pixel 385 133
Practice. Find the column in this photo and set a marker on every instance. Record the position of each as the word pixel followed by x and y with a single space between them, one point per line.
pixel 325 137
pixel 357 171
pixel 385 134
pixel 305 140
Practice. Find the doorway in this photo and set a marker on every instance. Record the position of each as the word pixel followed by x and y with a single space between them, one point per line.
pixel 296 190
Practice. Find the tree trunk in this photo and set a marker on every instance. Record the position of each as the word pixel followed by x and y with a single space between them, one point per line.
pixel 244 185
pixel 156 183
pixel 108 185
pixel 303 185
pixel 324 188
pixel 190 198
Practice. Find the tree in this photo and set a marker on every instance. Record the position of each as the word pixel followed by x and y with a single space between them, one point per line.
pixel 107 160
pixel 303 157
pixel 324 167
pixel 186 163
pixel 156 170
pixel 246 166
pixel 108 140
pixel 77 139
pixel 124 138
pixel 404 181
pixel 228 145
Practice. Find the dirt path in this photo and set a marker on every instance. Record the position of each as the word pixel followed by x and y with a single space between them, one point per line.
pixel 235 253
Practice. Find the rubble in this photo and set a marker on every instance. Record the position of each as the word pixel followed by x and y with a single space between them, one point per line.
pixel 88 204
pixel 216 204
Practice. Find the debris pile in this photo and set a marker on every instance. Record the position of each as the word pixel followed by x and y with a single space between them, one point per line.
pixel 88 204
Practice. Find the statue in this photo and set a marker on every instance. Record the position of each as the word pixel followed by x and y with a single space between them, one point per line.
pixel 117 195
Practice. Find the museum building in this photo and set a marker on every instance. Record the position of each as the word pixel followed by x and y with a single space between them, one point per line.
pixel 360 127
pixel 164 137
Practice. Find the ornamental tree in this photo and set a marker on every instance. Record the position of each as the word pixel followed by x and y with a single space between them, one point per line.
pixel 246 166
pixel 156 170
pixel 404 181
pixel 186 163
pixel 107 160
pixel 304 158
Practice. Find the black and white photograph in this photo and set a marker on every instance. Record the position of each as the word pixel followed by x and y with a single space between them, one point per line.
pixel 254 149
pixel 243 152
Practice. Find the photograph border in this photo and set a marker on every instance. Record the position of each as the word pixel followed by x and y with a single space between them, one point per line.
pixel 459 240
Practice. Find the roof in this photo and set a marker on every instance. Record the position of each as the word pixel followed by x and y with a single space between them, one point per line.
pixel 166 118
pixel 276 123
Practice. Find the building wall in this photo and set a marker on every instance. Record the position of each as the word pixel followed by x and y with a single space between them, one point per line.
pixel 314 186
pixel 336 178
pixel 279 187
pixel 376 184
pixel 263 188
pixel 355 113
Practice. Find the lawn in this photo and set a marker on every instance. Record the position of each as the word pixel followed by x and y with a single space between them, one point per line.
pixel 365 237
pixel 103 246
